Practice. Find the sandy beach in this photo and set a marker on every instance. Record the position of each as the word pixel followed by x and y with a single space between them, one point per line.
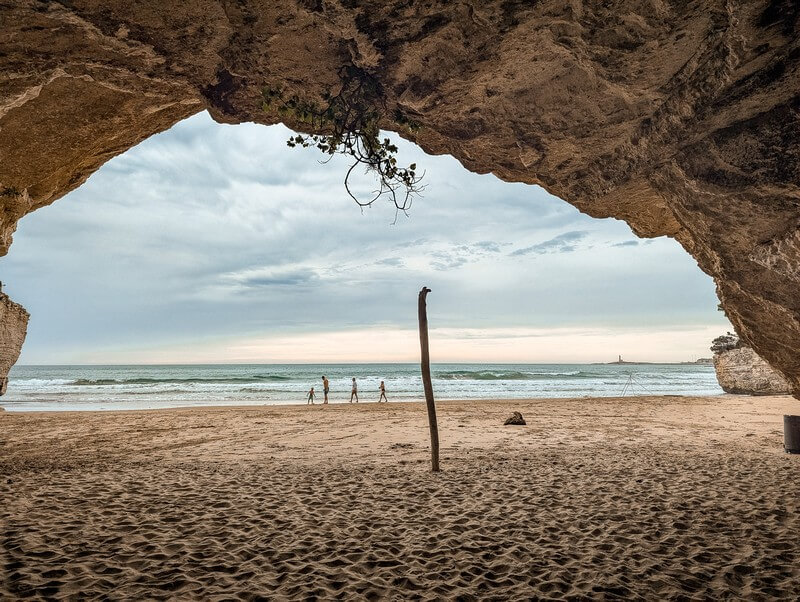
pixel 645 497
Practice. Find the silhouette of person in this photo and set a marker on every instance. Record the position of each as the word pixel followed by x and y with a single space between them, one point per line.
pixel 325 388
pixel 383 393
pixel 354 391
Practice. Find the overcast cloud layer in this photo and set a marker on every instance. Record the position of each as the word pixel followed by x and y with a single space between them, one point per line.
pixel 208 237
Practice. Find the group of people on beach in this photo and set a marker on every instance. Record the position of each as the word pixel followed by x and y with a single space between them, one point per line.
pixel 326 387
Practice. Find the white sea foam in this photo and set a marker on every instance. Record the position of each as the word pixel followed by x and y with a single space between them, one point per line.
pixel 135 387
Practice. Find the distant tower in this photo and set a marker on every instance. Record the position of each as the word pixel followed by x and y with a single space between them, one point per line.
pixel 619 361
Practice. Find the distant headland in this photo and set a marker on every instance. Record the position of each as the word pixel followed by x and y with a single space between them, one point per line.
pixel 622 362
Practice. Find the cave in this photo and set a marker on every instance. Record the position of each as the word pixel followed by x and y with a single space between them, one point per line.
pixel 681 118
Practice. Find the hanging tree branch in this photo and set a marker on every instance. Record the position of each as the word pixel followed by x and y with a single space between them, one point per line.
pixel 350 120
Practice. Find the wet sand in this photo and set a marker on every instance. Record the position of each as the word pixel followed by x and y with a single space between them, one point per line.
pixel 654 497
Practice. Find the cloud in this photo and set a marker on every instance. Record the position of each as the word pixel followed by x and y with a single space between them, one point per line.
pixel 443 261
pixel 626 243
pixel 458 255
pixel 563 243
pixel 391 262
pixel 210 230
pixel 280 279
pixel 488 245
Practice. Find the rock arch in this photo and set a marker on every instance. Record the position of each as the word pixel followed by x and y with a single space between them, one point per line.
pixel 682 118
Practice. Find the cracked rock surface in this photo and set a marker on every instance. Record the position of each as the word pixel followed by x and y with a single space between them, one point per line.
pixel 681 118
pixel 740 371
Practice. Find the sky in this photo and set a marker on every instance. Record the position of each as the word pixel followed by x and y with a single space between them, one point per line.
pixel 213 243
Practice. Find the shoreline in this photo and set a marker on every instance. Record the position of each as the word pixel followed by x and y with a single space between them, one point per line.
pixel 636 497
pixel 110 388
pixel 585 398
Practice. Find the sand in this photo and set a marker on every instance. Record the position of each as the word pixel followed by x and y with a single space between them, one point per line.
pixel 657 498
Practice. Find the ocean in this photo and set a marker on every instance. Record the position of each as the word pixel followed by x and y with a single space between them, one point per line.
pixel 48 388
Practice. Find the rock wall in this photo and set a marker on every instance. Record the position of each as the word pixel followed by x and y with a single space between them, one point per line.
pixel 680 117
pixel 741 371
pixel 13 327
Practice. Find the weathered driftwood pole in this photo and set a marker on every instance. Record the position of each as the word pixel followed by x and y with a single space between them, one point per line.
pixel 425 364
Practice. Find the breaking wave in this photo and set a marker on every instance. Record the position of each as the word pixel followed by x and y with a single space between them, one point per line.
pixel 257 378
pixel 508 375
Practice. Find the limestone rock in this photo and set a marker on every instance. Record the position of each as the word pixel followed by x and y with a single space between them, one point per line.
pixel 726 342
pixel 13 327
pixel 515 418
pixel 740 370
pixel 681 118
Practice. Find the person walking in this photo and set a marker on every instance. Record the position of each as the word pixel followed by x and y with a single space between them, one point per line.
pixel 383 393
pixel 325 388
pixel 354 391
pixel 310 397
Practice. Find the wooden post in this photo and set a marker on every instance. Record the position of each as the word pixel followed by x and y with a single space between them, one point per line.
pixel 425 365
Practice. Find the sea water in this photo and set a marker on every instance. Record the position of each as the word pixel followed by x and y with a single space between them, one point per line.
pixel 146 387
